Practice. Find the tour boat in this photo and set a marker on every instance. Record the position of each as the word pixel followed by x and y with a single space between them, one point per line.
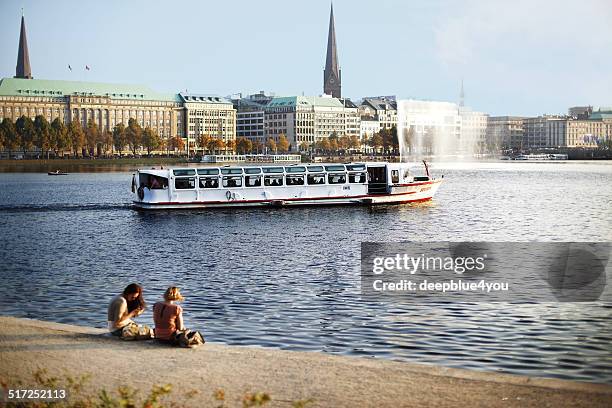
pixel 281 185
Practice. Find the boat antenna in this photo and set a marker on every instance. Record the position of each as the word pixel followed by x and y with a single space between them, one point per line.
pixel 426 167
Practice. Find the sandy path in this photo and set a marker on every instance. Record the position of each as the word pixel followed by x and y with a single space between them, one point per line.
pixel 332 381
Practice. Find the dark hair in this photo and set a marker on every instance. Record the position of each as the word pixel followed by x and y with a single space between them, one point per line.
pixel 137 303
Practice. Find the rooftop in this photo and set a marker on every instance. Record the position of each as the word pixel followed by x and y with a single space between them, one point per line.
pixel 305 101
pixel 202 98
pixel 56 88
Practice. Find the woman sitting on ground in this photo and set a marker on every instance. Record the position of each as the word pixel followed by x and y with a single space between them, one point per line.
pixel 122 309
pixel 168 318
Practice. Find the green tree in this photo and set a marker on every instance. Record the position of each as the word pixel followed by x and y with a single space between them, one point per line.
pixel 59 136
pixel 333 143
pixel 323 145
pixel 107 141
pixel 202 142
pixel 133 134
pixel 257 147
pixel 283 144
pixel 76 136
pixel 230 145
pixel 42 134
pixel 9 135
pixel 119 138
pixel 150 140
pixel 25 129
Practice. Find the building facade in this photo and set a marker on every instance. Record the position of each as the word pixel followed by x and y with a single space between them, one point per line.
pixel 208 115
pixel 305 120
pixel 105 104
pixel 473 132
pixel 250 117
pixel 382 108
pixel 505 132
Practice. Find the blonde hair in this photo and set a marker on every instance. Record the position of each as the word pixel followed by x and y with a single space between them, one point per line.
pixel 172 293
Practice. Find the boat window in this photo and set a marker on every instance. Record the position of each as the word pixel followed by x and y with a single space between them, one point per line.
pixel 273 180
pixel 335 168
pixel 295 180
pixel 316 179
pixel 272 169
pixel 184 183
pixel 252 181
pixel 296 169
pixel 395 176
pixel 209 182
pixel 336 178
pixel 252 170
pixel 357 177
pixel 315 168
pixel 231 171
pixel 232 181
pixel 208 171
pixel 184 172
pixel 356 167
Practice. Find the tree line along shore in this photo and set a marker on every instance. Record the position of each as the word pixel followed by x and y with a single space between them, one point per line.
pixel 37 138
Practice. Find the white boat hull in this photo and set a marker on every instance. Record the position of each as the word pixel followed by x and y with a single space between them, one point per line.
pixel 401 194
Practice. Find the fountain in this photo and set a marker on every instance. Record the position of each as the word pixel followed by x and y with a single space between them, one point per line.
pixel 434 130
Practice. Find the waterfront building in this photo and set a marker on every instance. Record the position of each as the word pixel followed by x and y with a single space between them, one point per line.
pixel 208 115
pixel 105 104
pixel 305 120
pixel 473 129
pixel 332 75
pixel 250 116
pixel 368 127
pixel 572 132
pixel 381 108
pixel 505 132
pixel 536 131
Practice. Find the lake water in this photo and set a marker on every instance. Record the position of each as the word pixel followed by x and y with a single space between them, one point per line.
pixel 289 278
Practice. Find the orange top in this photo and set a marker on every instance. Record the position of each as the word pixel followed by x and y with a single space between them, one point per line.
pixel 165 316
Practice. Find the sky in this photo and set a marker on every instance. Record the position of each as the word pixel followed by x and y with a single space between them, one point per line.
pixel 520 57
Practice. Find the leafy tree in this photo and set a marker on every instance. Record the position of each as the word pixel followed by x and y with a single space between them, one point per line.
pixel 354 142
pixel 243 145
pixel 283 144
pixel 76 136
pixel 133 134
pixel 333 143
pixel 271 145
pixel 344 142
pixel 10 137
pixel 92 137
pixel 176 143
pixel 376 141
pixel 230 145
pixel 150 140
pixel 25 129
pixel 257 147
pixel 215 144
pixel 42 134
pixel 59 136
pixel 323 145
pixel 119 138
pixel 304 147
pixel 107 141
pixel 202 141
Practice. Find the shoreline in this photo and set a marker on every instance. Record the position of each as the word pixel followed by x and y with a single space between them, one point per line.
pixel 328 380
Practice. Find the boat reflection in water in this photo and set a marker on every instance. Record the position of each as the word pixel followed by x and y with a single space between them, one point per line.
pixel 273 185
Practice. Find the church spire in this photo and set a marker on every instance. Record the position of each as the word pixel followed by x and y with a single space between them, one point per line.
pixel 23 56
pixel 332 74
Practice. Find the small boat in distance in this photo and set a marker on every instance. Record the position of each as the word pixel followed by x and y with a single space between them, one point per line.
pixel 57 173
pixel 281 185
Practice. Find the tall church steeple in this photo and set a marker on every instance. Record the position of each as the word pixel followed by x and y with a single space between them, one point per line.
pixel 23 56
pixel 332 74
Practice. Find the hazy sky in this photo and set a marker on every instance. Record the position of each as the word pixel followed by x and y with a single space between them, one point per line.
pixel 521 57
